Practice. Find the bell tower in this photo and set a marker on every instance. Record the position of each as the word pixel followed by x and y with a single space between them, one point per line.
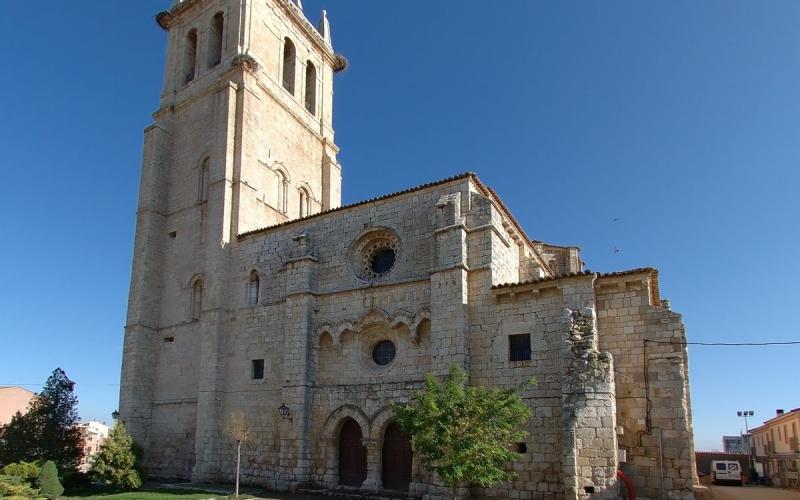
pixel 242 139
pixel 273 139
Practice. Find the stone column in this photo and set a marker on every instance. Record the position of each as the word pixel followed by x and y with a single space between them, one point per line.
pixel 216 271
pixel 449 288
pixel 331 177
pixel 373 480
pixel 295 460
pixel 141 327
pixel 589 410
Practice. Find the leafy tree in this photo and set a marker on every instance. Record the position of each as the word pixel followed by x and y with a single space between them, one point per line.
pixel 464 433
pixel 238 427
pixel 116 463
pixel 49 429
pixel 49 485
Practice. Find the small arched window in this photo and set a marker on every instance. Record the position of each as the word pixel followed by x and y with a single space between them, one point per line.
pixel 197 299
pixel 305 203
pixel 190 57
pixel 289 56
pixel 283 187
pixel 215 40
pixel 202 181
pixel 252 289
pixel 311 88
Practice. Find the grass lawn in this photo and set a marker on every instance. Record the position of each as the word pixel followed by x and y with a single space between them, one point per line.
pixel 153 494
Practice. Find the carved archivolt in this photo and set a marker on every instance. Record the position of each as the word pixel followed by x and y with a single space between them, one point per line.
pixel 372 318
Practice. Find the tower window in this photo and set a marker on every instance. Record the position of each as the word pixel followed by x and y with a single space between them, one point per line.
pixel 257 369
pixel 519 347
pixel 289 56
pixel 305 203
pixel 311 88
pixel 215 40
pixel 252 289
pixel 197 299
pixel 283 187
pixel 202 181
pixel 190 57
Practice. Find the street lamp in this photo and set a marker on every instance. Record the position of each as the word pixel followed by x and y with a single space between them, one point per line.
pixel 745 414
pixel 285 412
pixel 115 415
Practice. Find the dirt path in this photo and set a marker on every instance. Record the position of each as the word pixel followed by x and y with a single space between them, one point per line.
pixel 752 493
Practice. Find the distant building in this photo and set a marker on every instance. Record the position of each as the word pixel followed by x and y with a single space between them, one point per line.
pixel 736 444
pixel 776 448
pixel 95 434
pixel 13 400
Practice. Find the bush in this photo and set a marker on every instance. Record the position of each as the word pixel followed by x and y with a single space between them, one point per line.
pixel 48 481
pixel 75 480
pixel 116 464
pixel 13 486
pixel 27 471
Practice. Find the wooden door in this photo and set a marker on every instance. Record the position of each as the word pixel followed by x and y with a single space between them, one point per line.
pixel 352 455
pixel 397 459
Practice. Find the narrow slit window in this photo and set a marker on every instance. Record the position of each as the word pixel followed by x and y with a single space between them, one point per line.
pixel 283 187
pixel 311 88
pixel 519 347
pixel 190 57
pixel 197 299
pixel 289 56
pixel 305 203
pixel 257 369
pixel 215 40
pixel 252 289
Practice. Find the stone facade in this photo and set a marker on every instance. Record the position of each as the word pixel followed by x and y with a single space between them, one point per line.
pixel 254 291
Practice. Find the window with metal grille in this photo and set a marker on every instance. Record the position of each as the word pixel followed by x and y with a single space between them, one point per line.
pixel 383 352
pixel 519 347
pixel 258 369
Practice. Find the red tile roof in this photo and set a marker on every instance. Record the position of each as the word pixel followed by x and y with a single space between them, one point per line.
pixel 638 270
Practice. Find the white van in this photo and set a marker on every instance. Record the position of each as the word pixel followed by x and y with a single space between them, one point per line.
pixel 726 471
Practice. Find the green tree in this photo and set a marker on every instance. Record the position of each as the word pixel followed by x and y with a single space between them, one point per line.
pixel 49 429
pixel 464 433
pixel 27 471
pixel 116 463
pixel 49 485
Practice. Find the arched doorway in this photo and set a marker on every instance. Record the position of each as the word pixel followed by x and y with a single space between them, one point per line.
pixel 396 459
pixel 352 455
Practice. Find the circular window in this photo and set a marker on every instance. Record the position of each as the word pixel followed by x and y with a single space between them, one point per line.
pixel 383 352
pixel 382 260
pixel 375 254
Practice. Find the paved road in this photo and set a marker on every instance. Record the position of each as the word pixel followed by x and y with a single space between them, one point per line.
pixel 752 493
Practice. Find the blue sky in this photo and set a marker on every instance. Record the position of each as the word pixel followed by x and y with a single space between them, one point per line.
pixel 680 118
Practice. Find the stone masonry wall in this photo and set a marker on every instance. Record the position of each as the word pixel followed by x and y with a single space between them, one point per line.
pixel 628 315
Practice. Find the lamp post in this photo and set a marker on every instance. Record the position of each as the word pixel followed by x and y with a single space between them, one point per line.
pixel 745 414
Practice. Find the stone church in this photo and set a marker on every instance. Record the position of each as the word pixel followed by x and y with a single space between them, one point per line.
pixel 255 292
